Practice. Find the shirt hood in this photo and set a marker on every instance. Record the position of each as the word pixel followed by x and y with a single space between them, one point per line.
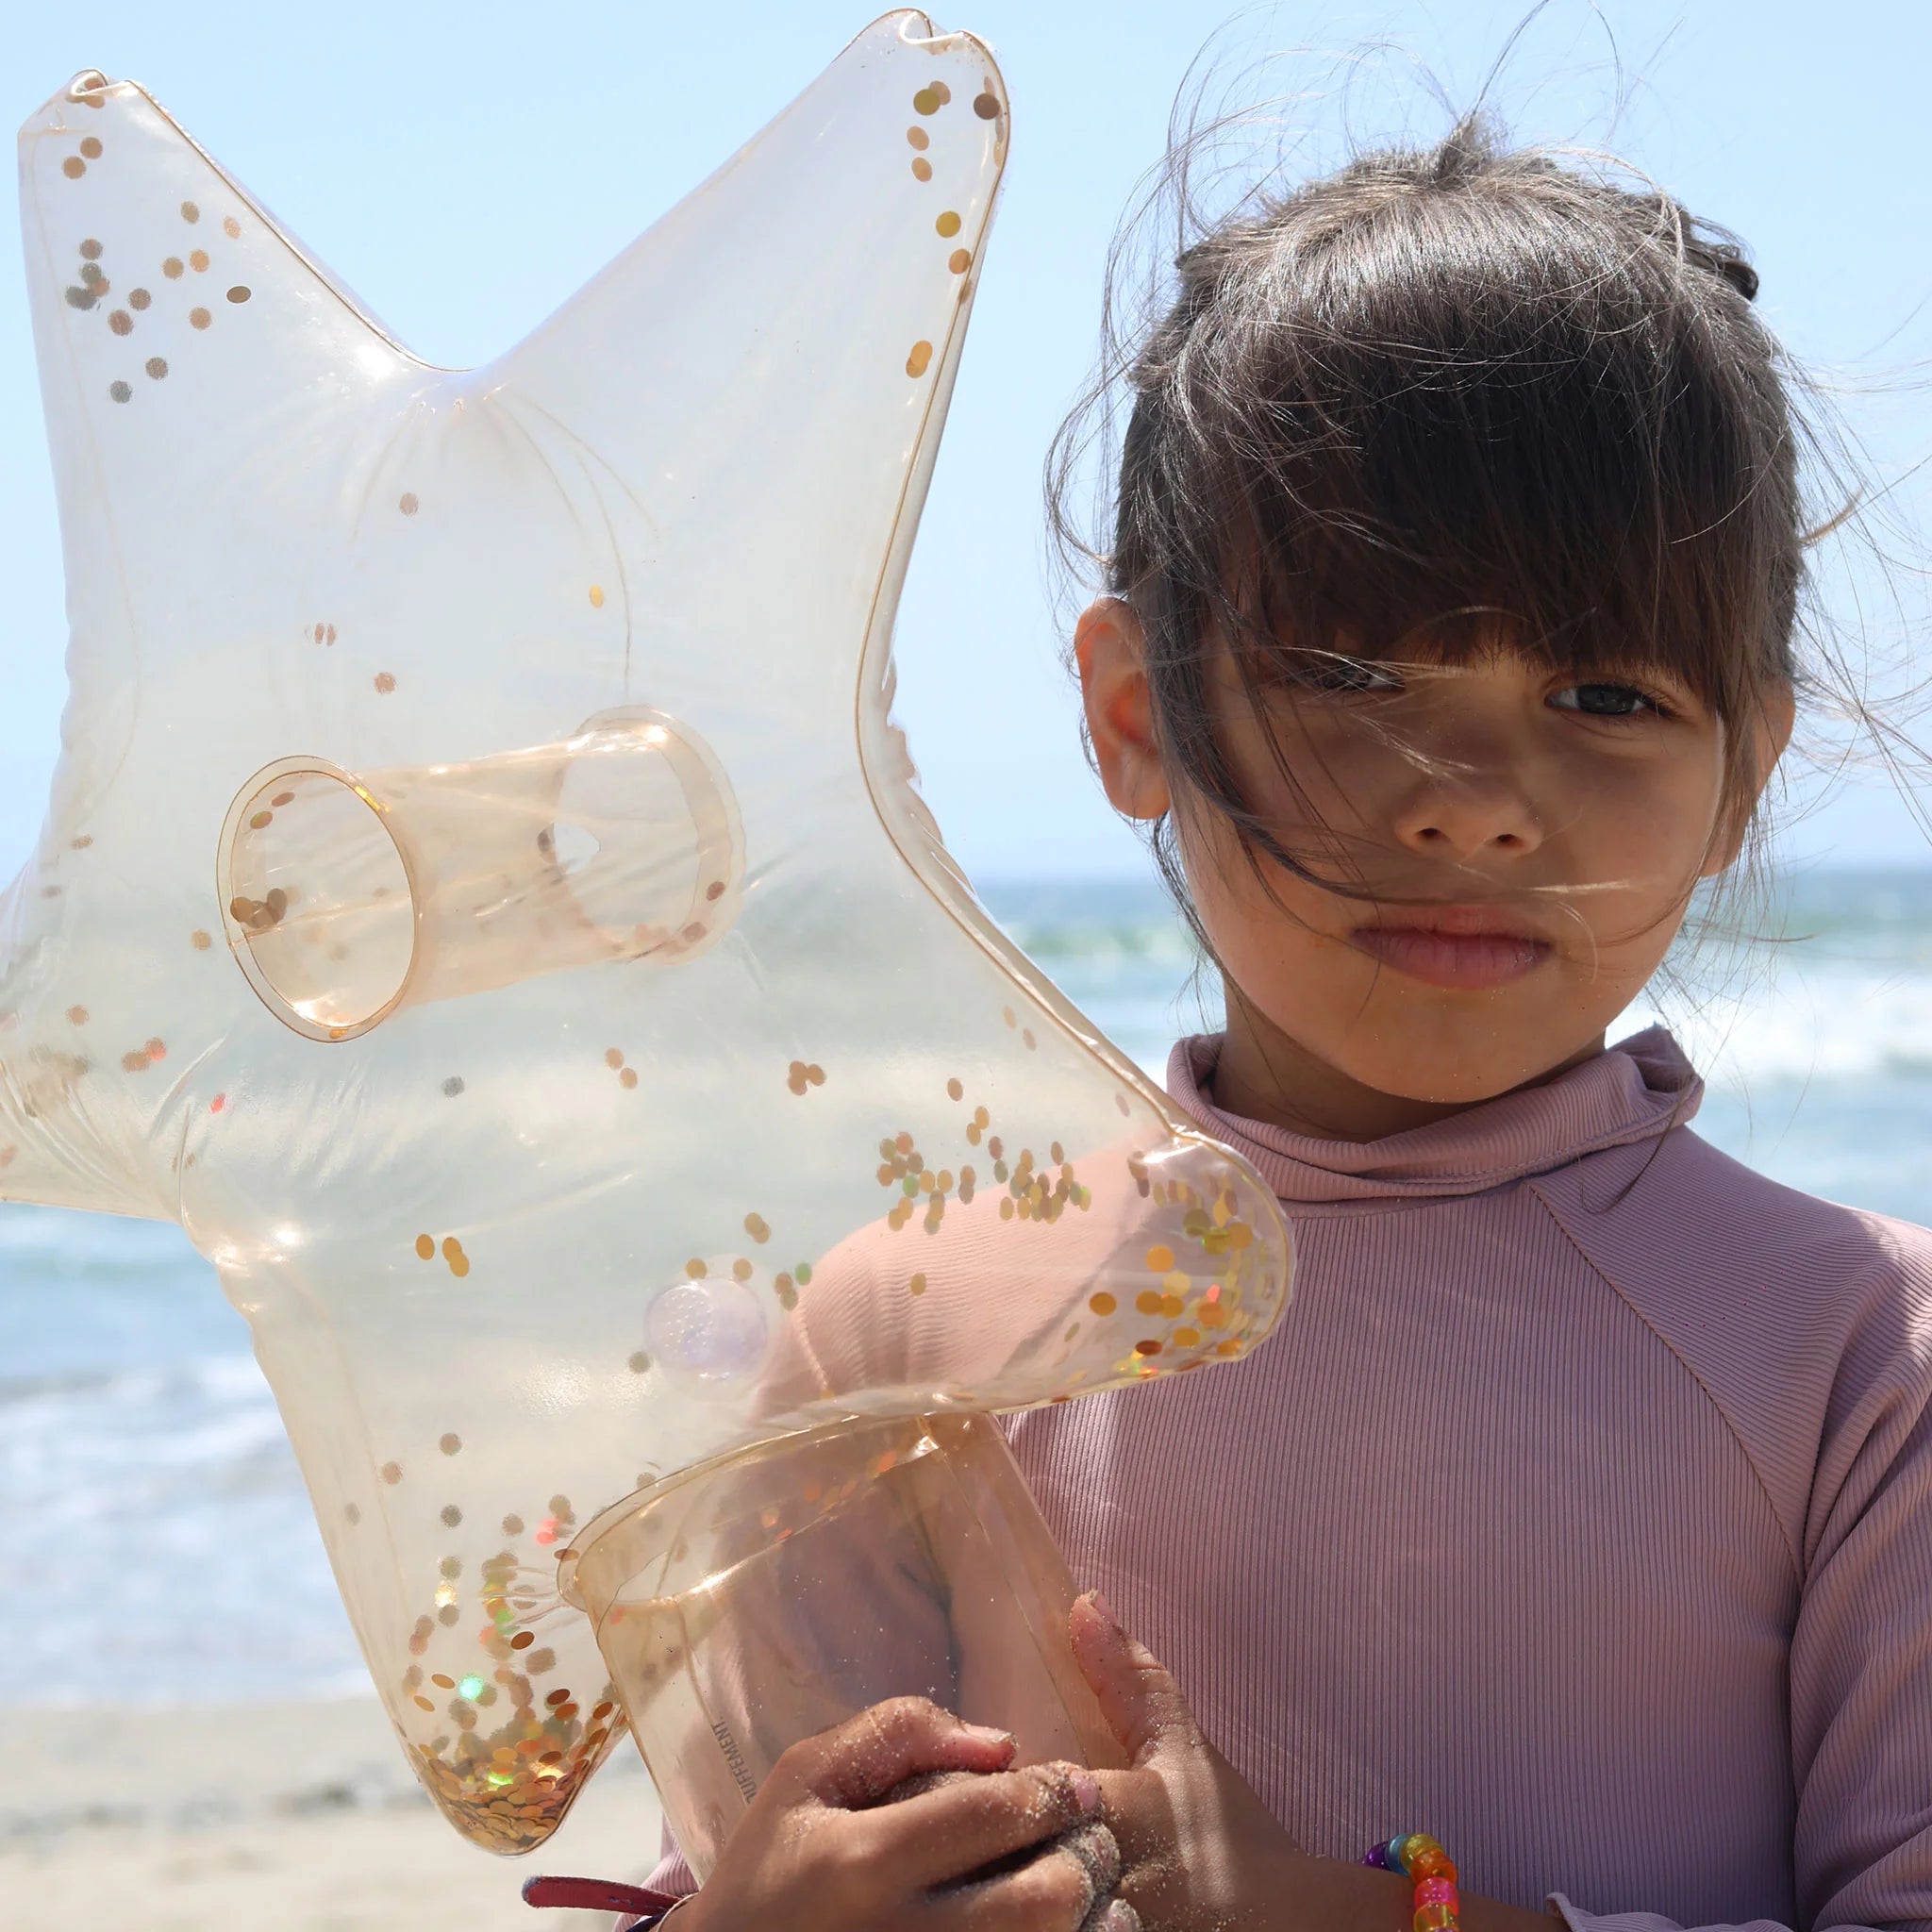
pixel 1635 1090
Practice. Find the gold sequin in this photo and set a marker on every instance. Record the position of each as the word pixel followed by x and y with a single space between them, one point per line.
pixel 198 261
pixel 200 941
pixel 77 1015
pixel 948 225
pixel 927 101
pixel 172 268
pixel 406 503
pixel 918 137
pixel 190 213
pixel 740 1270
pixel 391 1472
pixel 1103 1303
pixel 459 1265
pixel 73 167
pixel 426 1247
pixel 596 596
pixel 986 107
pixel 138 298
pixel 199 318
pixel 640 1363
pixel 451 1516
pixel 384 682
pixel 696 1269
pixel 628 1077
pixel 121 323
pixel 757 1227
pixel 231 227
pixel 921 357
pixel 157 367
pixel 922 168
pixel 917 1285
pixel 960 260
pixel 955 1091
pixel 450 1444
pixel 239 293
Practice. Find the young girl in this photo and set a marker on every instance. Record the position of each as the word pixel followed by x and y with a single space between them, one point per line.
pixel 1580 1513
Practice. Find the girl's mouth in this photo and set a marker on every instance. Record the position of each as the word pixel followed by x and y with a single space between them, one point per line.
pixel 1441 955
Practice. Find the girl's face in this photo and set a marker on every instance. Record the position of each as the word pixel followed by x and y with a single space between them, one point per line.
pixel 1516 849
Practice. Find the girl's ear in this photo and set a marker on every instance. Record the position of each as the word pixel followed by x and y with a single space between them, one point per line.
pixel 1772 732
pixel 1107 646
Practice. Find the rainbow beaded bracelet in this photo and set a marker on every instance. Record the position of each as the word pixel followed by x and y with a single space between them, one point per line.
pixel 1422 1859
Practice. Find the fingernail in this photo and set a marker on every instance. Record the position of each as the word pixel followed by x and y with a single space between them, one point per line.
pixel 1105 1609
pixel 1085 1792
pixel 1120 1917
pixel 985 1734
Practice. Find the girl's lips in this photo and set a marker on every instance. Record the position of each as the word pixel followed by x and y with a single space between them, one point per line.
pixel 1467 961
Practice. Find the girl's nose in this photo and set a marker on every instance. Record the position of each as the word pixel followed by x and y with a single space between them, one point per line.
pixel 1464 815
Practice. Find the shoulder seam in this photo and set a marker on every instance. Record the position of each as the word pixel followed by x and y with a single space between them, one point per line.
pixel 1677 1355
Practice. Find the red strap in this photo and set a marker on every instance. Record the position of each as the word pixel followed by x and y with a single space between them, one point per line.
pixel 596 1895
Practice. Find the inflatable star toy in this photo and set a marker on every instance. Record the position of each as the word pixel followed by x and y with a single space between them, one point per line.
pixel 485 902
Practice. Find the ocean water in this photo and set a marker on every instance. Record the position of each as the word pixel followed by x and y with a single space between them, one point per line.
pixel 161 1535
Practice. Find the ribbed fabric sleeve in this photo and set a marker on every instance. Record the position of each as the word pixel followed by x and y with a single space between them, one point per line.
pixel 1579 1512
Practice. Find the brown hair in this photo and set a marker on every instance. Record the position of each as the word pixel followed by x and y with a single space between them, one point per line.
pixel 1449 394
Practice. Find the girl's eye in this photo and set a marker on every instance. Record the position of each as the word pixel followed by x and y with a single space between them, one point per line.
pixel 1343 676
pixel 1607 701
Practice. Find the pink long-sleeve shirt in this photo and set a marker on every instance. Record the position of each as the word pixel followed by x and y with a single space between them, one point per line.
pixel 1579 1514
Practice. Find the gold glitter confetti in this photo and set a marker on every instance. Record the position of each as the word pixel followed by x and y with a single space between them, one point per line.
pixel 231 227
pixel 406 503
pixel 918 137
pixel 596 596
pixel 948 225
pixel 384 682
pixel 199 318
pixel 917 1285
pixel 927 101
pixel 138 299
pixel 459 1265
pixel 73 167
pixel 955 1091
pixel 449 1444
pixel 157 367
pixel 986 107
pixel 960 260
pixel 1103 1303
pixel 239 293
pixel 172 268
pixel 391 1472
pixel 77 1016
pixel 198 262
pixel 426 1247
pixel 922 168
pixel 190 213
pixel 920 360
pixel 757 1227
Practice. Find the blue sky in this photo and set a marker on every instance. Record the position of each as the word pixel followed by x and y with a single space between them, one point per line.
pixel 464 169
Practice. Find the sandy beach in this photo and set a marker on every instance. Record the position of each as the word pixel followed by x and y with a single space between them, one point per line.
pixel 299 1816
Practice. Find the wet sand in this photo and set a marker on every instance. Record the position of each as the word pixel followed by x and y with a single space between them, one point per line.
pixel 299 1816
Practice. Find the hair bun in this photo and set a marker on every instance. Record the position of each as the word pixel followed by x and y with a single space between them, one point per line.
pixel 1737 271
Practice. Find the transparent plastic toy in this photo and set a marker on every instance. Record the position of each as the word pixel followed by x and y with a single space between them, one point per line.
pixel 485 902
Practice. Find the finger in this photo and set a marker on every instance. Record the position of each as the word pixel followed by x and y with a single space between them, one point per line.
pixel 855 1763
pixel 1116 1915
pixel 1137 1696
pixel 948 1833
pixel 1054 1890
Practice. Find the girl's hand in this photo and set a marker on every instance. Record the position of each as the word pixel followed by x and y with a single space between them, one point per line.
pixel 822 1849
pixel 1199 1851
pixel 1198 1847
